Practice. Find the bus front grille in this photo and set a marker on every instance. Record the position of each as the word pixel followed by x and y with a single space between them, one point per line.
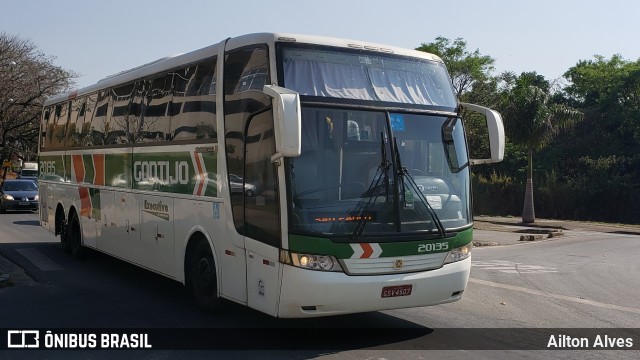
pixel 393 265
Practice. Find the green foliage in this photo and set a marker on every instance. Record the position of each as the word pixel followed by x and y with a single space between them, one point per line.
pixel 497 194
pixel 586 136
pixel 531 116
pixel 609 91
pixel 472 82
pixel 466 67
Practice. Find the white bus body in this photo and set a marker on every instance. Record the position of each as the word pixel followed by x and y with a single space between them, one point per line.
pixel 301 176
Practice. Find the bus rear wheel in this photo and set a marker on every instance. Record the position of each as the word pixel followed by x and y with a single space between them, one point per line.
pixel 74 237
pixel 64 236
pixel 202 278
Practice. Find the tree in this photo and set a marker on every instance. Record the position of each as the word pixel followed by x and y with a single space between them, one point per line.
pixel 472 82
pixel 533 119
pixel 465 67
pixel 27 78
pixel 609 91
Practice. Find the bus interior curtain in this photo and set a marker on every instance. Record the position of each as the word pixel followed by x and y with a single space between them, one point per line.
pixel 316 78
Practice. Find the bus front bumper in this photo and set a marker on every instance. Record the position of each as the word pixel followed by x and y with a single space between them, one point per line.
pixel 308 293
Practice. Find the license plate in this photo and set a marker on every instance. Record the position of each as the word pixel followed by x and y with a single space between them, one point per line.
pixel 24 203
pixel 393 291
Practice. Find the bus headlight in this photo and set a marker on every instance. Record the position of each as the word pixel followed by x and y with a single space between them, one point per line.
pixel 310 261
pixel 459 253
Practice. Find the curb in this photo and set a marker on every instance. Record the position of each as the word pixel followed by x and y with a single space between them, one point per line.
pixel 530 237
pixel 478 243
pixel 12 274
pixel 555 233
pixel 550 234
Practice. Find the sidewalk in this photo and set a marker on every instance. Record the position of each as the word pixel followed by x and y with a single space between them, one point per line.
pixel 12 274
pixel 495 230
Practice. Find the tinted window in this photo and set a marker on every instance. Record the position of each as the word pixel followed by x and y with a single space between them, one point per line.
pixel 155 119
pixel 84 128
pixel 123 115
pixel 97 127
pixel 241 103
pixel 193 106
pixel 260 186
pixel 56 129
pixel 75 122
pixel 46 119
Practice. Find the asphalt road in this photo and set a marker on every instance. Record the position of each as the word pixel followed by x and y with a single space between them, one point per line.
pixel 582 280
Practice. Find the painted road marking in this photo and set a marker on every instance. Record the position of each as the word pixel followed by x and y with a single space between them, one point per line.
pixel 555 296
pixel 38 259
pixel 511 267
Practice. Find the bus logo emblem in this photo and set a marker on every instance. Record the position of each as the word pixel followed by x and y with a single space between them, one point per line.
pixel 398 264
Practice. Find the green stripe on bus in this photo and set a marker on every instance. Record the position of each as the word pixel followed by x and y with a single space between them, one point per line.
pixel 51 167
pixel 181 172
pixel 89 172
pixel 323 246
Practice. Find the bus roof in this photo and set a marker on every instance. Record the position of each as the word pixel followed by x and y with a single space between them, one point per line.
pixel 175 61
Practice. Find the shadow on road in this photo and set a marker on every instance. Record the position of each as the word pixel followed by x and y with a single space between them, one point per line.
pixel 27 222
pixel 101 292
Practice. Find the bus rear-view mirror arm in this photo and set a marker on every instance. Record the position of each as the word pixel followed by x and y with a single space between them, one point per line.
pixel 496 133
pixel 287 121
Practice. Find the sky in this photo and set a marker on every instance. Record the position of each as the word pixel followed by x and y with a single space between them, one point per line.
pixel 99 38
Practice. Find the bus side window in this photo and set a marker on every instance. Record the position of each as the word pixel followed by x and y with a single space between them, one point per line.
pixel 47 117
pixel 260 186
pixel 155 119
pixel 56 129
pixel 84 132
pixel 75 122
pixel 122 120
pixel 98 125
pixel 194 98
pixel 245 73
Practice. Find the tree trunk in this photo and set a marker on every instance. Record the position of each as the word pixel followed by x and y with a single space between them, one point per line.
pixel 528 210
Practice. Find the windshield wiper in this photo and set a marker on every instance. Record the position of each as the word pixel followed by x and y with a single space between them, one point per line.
pixel 413 187
pixel 382 174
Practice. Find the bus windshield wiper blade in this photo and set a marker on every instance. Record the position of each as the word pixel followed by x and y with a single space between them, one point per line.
pixel 408 179
pixel 382 174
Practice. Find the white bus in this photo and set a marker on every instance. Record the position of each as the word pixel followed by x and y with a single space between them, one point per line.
pixel 301 176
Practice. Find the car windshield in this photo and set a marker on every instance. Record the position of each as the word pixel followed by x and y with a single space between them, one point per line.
pixel 346 175
pixel 29 173
pixel 19 186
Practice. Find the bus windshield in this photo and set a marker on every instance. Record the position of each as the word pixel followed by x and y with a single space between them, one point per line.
pixel 370 76
pixel 348 174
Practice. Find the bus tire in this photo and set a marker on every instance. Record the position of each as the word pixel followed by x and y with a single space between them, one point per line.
pixel 64 237
pixel 75 236
pixel 202 278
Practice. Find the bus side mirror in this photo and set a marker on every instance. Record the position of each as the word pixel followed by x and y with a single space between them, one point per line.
pixel 496 133
pixel 287 118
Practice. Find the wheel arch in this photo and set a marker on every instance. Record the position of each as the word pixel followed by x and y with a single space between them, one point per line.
pixel 196 235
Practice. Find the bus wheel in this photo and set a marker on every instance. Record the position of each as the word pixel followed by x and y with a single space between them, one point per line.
pixel 202 277
pixel 74 237
pixel 64 237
